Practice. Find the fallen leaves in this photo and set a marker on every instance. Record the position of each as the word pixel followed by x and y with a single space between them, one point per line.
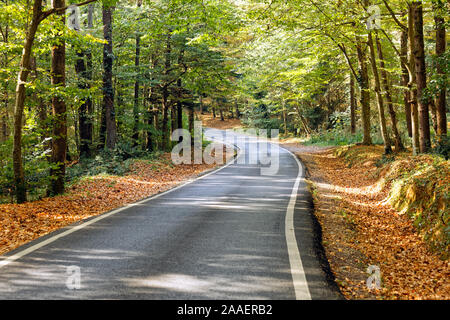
pixel 377 235
pixel 21 223
pixel 210 122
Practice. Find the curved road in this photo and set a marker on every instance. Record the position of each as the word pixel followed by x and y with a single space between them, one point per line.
pixel 233 234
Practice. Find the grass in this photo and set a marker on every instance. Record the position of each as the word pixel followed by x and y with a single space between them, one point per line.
pixel 338 137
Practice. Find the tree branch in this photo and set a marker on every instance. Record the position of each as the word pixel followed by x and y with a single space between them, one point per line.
pixel 45 14
pixel 401 25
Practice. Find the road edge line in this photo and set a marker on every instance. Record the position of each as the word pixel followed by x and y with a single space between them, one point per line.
pixel 298 273
pixel 9 259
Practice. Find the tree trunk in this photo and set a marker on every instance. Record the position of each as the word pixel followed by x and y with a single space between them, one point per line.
pixel 19 178
pixel 201 104
pixel 4 117
pixel 441 43
pixel 236 107
pixel 102 129
pixel 231 112
pixel 41 111
pixel 4 114
pixel 412 82
pixel 173 118
pixel 165 93
pixel 108 91
pixel 380 102
pixel 85 128
pixel 191 120
pixel 157 143
pixel 59 116
pixel 165 120
pixel 180 118
pixel 149 146
pixel 89 134
pixel 136 86
pixel 352 105
pixel 179 111
pixel 152 113
pixel 421 78
pixel 365 93
pixel 119 106
pixel 405 81
pixel 385 80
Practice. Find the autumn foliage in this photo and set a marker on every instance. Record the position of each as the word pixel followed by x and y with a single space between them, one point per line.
pixel 356 203
pixel 21 223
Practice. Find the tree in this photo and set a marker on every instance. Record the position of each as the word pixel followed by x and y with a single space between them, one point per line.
pixel 83 68
pixel 380 101
pixel 387 91
pixel 137 83
pixel 352 105
pixel 108 90
pixel 365 93
pixel 37 16
pixel 412 82
pixel 441 44
pixel 421 78
pixel 59 117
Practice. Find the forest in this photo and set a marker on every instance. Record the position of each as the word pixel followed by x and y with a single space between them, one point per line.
pixel 92 91
pixel 102 78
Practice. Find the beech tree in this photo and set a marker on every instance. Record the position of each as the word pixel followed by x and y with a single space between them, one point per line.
pixel 37 16
pixel 136 70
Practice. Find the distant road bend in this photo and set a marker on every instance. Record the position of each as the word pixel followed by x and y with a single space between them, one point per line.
pixel 233 234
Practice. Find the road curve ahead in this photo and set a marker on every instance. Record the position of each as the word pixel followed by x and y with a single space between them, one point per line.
pixel 233 234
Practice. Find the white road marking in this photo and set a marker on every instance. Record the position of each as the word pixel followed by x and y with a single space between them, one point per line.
pixel 9 259
pixel 298 273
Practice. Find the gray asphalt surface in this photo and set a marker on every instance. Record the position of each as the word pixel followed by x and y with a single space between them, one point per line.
pixel 220 237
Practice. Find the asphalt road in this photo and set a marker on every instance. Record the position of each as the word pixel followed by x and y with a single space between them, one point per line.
pixel 233 234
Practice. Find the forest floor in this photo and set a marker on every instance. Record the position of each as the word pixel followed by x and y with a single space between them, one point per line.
pixel 91 196
pixel 361 228
pixel 210 122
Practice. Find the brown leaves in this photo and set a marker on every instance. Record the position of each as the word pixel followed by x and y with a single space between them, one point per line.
pixel 91 196
pixel 378 232
pixel 210 122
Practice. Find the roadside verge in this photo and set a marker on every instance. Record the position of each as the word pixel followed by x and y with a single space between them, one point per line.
pixel 361 229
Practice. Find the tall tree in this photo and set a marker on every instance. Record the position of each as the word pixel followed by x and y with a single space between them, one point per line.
pixel 365 93
pixel 352 105
pixel 83 68
pixel 380 101
pixel 137 58
pixel 412 82
pixel 165 91
pixel 405 80
pixel 441 44
pixel 387 91
pixel 59 116
pixel 25 67
pixel 421 78
pixel 5 101
pixel 108 90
